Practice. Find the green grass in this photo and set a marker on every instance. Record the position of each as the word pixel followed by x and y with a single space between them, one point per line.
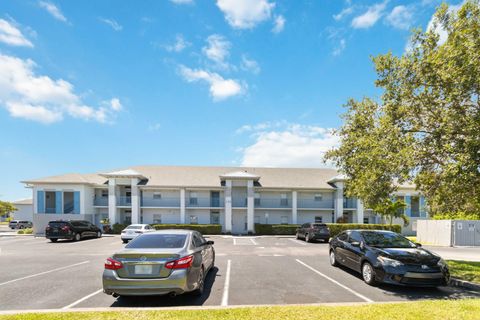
pixel 439 309
pixel 465 270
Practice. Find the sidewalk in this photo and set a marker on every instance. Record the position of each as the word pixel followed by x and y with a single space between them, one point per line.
pixel 456 253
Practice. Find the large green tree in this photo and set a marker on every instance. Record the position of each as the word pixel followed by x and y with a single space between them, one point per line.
pixel 426 127
pixel 6 208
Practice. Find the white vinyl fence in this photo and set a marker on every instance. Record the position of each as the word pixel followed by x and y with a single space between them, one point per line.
pixel 449 232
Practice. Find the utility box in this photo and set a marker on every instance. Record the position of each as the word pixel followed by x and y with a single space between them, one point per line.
pixel 449 232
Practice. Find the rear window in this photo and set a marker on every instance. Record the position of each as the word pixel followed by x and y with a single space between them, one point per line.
pixel 134 227
pixel 57 224
pixel 319 225
pixel 161 241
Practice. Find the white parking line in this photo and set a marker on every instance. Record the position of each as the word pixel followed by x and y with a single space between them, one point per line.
pixel 82 299
pixel 361 296
pixel 234 241
pixel 298 241
pixel 42 273
pixel 253 241
pixel 226 285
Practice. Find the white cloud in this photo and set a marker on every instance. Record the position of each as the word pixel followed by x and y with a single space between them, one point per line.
pixel 11 35
pixel 370 17
pixel 340 47
pixel 40 98
pixel 220 88
pixel 245 14
pixel 112 23
pixel 250 65
pixel 182 1
pixel 179 45
pixel 279 24
pixel 217 50
pixel 345 12
pixel 434 26
pixel 293 145
pixel 53 10
pixel 400 17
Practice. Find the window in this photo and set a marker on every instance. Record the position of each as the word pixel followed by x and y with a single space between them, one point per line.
pixel 318 219
pixel 284 219
pixel 256 219
pixel 343 236
pixel 157 218
pixel 193 199
pixel 365 220
pixel 283 199
pixel 104 193
pixel 152 240
pixel 354 237
pixel 197 241
pixel 215 218
pixel 193 220
pixel 157 195
pixel 68 202
pixel 318 197
pixel 257 199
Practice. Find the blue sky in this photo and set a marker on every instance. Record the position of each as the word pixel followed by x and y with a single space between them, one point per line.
pixel 88 86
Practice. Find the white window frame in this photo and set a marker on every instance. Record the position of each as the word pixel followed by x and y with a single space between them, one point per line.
pixel 318 197
pixel 155 218
pixel 284 220
pixel 157 195
pixel 193 219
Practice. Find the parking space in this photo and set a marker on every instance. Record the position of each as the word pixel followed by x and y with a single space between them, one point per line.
pixel 37 274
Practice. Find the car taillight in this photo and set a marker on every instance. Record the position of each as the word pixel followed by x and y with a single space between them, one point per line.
pixel 112 264
pixel 181 263
pixel 66 228
pixel 47 228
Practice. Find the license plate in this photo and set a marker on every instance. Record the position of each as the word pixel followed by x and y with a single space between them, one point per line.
pixel 143 269
pixel 130 232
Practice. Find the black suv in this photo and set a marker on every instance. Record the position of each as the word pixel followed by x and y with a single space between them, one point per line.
pixel 71 230
pixel 313 231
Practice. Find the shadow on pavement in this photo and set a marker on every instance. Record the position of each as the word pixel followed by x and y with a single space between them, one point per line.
pixel 420 293
pixel 167 301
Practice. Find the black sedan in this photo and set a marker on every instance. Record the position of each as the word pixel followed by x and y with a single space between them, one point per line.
pixel 388 257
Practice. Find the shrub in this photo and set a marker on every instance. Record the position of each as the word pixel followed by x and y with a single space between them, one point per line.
pixel 335 228
pixel 202 228
pixel 25 231
pixel 456 216
pixel 118 227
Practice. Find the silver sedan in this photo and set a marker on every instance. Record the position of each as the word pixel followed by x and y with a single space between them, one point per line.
pixel 158 263
pixel 134 230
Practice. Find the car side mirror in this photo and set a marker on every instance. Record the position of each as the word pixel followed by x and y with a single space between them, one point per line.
pixel 210 242
pixel 418 244
pixel 362 245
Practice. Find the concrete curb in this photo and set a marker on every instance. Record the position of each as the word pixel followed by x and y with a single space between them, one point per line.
pixel 16 235
pixel 113 309
pixel 454 282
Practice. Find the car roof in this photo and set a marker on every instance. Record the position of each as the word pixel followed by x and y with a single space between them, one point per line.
pixel 171 231
pixel 138 224
pixel 368 230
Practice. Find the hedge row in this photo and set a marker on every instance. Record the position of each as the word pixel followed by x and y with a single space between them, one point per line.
pixel 202 228
pixel 335 228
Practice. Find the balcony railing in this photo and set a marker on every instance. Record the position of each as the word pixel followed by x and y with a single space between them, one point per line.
pixel 273 203
pixel 239 202
pixel 100 201
pixel 204 202
pixel 124 201
pixel 50 210
pixel 314 204
pixel 163 202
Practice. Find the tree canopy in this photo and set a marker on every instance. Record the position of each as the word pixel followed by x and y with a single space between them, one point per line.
pixel 425 128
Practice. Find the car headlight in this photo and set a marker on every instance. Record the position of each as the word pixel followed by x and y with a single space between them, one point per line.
pixel 442 263
pixel 387 262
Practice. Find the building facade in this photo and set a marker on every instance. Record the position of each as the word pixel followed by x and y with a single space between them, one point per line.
pixel 24 210
pixel 236 198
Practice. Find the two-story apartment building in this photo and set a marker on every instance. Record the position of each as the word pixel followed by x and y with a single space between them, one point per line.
pixel 236 198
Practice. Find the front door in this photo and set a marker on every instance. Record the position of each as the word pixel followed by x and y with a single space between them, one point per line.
pixel 239 222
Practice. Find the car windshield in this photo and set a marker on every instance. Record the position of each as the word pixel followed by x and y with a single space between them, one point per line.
pixel 166 241
pixel 319 225
pixel 386 240
pixel 134 227
pixel 56 224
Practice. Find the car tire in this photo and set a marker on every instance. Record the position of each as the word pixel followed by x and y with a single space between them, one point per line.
pixel 307 238
pixel 99 234
pixel 368 274
pixel 53 240
pixel 333 258
pixel 201 278
pixel 77 237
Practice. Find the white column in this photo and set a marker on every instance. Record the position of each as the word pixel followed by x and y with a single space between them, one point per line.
pixel 112 201
pixel 182 206
pixel 135 201
pixel 294 207
pixel 339 200
pixel 228 206
pixel 360 211
pixel 250 207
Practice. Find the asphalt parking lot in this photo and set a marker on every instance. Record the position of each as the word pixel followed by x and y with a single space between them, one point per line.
pixel 37 274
